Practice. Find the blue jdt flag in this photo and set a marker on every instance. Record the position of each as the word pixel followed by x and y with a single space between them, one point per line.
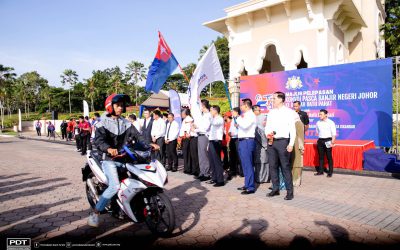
pixel 162 67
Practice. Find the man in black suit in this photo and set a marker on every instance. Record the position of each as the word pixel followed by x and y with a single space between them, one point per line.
pixel 147 124
pixel 303 115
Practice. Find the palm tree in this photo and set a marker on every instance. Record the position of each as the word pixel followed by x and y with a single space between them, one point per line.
pixel 115 81
pixel 69 77
pixel 135 73
pixel 7 77
pixel 45 93
pixel 6 74
pixel 91 91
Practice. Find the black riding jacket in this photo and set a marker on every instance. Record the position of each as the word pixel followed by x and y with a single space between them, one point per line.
pixel 115 133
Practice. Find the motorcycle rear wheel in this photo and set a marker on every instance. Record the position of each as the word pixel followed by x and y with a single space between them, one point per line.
pixel 161 219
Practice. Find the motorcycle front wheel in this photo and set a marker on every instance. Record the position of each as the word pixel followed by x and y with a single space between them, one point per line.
pixel 91 197
pixel 160 218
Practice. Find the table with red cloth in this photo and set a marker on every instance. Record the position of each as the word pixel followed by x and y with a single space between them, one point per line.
pixel 346 153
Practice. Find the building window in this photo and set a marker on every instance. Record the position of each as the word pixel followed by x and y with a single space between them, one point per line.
pixel 244 72
pixel 271 62
pixel 302 64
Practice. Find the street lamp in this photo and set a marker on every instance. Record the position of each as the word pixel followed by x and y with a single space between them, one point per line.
pixel 69 98
pixel 2 116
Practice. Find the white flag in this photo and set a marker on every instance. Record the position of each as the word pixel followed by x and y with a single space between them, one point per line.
pixel 85 108
pixel 208 70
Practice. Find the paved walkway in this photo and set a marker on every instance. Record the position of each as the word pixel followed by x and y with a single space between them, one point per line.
pixel 42 197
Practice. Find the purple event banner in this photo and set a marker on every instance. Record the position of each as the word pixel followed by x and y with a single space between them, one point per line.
pixel 358 97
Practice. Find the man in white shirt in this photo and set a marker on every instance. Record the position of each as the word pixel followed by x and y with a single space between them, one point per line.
pixel 234 161
pixel 132 118
pixel 189 145
pixel 214 149
pixel 281 127
pixel 246 124
pixel 157 135
pixel 326 130
pixel 171 137
pixel 146 125
pixel 202 128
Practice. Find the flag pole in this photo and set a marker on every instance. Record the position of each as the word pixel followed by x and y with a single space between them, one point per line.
pixel 227 94
pixel 183 73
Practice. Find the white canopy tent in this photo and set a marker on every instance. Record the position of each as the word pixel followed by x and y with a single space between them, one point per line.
pixel 162 100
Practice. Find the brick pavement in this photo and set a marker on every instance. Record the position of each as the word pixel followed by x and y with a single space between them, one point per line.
pixel 42 197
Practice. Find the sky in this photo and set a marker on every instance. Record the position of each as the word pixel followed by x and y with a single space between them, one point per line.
pixel 50 36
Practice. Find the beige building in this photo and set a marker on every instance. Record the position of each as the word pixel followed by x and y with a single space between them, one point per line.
pixel 275 35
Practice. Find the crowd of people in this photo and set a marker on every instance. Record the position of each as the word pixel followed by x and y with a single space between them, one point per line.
pixel 216 147
pixel 242 142
pixel 81 130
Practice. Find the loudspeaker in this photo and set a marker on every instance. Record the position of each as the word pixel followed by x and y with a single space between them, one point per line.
pixel 54 115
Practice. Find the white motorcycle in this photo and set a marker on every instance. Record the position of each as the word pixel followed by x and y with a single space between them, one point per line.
pixel 140 196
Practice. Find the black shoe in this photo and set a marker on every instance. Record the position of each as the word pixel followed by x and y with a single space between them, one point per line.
pixel 229 177
pixel 211 182
pixel 168 169
pixel 219 184
pixel 289 197
pixel 83 153
pixel 245 192
pixel 174 169
pixel 329 175
pixel 204 178
pixel 197 177
pixel 241 188
pixel 270 188
pixel 273 193
pixel 318 174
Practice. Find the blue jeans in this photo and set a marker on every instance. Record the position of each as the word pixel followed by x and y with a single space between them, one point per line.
pixel 110 170
pixel 246 150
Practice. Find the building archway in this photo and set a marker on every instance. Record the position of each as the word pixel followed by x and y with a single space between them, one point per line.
pixel 244 72
pixel 302 64
pixel 271 61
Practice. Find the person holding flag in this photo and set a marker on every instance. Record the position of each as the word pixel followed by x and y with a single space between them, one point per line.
pixel 207 71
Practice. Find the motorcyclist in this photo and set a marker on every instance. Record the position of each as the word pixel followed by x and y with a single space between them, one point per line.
pixel 112 133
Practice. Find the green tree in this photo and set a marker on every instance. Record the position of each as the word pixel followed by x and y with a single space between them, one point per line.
pixel 91 90
pixel 101 78
pixel 391 27
pixel 77 97
pixel 27 87
pixel 69 77
pixel 135 73
pixel 189 70
pixel 45 94
pixel 176 82
pixel 7 80
pixel 115 81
